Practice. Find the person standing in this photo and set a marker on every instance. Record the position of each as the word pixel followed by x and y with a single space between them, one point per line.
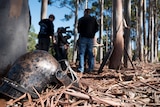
pixel 95 46
pixel 87 27
pixel 46 30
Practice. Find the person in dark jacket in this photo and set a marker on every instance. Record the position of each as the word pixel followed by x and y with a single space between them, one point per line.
pixel 87 27
pixel 46 31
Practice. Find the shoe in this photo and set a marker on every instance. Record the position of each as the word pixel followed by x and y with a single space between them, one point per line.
pixel 80 70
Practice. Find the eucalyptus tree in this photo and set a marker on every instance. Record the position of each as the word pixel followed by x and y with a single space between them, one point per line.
pixel 98 12
pixel 147 33
pixel 156 10
pixel 118 41
pixel 153 30
pixel 150 32
pixel 101 29
pixel 140 31
pixel 44 5
pixel 14 27
pixel 75 32
pixel 102 10
pixel 144 31
pixel 127 19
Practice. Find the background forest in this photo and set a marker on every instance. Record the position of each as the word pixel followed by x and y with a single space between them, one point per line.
pixel 140 26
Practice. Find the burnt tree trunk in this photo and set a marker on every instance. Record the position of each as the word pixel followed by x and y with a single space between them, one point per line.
pixel 14 27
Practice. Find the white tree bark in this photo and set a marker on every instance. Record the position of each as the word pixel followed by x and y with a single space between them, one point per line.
pixel 75 33
pixel 101 31
pixel 44 5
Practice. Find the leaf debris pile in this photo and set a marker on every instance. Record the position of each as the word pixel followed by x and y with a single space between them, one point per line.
pixel 138 87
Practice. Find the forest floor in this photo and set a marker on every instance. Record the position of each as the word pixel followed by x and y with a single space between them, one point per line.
pixel 127 87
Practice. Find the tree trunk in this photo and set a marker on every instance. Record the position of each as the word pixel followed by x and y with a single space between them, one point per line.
pixel 141 55
pixel 44 9
pixel 118 41
pixel 86 5
pixel 144 31
pixel 127 16
pixel 14 27
pixel 149 32
pixel 101 30
pixel 136 38
pixel 152 35
pixel 156 32
pixel 75 33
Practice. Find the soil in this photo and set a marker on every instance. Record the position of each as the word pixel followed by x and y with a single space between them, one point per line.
pixel 135 86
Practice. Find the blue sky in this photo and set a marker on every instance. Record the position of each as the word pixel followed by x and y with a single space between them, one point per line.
pixel 35 8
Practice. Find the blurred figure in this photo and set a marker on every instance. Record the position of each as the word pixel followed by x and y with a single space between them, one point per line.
pixel 62 44
pixel 95 48
pixel 46 30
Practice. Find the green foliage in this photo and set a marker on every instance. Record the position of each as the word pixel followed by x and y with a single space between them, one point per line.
pixel 32 37
pixel 50 2
pixel 159 55
pixel 106 14
pixel 68 16
pixel 70 52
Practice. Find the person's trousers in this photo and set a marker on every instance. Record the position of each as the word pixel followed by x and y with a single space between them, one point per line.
pixel 44 44
pixel 86 45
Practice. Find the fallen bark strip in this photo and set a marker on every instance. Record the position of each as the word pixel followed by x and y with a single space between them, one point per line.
pixel 12 102
pixel 109 101
pixel 60 95
pixel 42 102
pixel 150 86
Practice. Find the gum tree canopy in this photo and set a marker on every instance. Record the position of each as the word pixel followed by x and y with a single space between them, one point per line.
pixel 14 26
